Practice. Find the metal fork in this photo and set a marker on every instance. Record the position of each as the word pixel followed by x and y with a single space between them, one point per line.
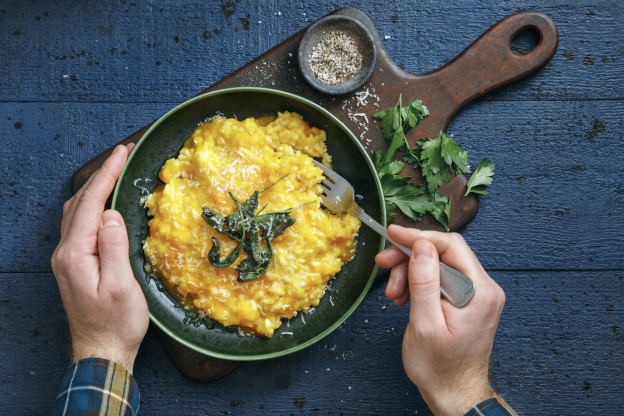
pixel 338 197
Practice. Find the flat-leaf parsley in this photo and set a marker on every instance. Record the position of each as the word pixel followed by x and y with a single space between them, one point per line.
pixel 481 178
pixel 436 157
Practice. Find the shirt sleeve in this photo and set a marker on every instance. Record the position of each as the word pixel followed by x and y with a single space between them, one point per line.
pixel 98 387
pixel 492 407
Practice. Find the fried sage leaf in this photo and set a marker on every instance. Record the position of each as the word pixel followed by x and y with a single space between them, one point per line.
pixel 251 231
pixel 214 255
pixel 214 219
pixel 258 254
pixel 249 269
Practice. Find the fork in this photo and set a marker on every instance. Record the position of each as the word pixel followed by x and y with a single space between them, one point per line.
pixel 338 197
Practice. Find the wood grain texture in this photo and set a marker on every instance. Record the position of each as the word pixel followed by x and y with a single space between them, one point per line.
pixel 571 108
pixel 556 344
pixel 557 162
pixel 488 63
pixel 194 365
pixel 485 65
pixel 172 51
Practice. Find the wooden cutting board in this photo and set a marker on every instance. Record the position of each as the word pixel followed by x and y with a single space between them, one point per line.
pixel 485 65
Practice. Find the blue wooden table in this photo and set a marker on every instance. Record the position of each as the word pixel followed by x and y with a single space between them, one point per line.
pixel 78 76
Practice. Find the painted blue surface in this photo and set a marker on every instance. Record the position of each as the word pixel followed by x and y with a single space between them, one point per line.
pixel 549 232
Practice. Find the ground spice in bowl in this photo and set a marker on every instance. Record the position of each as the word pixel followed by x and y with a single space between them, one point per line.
pixel 335 59
pixel 337 55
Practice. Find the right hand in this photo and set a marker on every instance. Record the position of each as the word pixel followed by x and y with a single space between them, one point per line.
pixel 446 350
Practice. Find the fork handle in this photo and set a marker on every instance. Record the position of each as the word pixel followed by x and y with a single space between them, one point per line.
pixel 454 285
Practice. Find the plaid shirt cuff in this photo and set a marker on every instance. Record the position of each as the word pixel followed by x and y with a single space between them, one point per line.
pixel 492 407
pixel 95 386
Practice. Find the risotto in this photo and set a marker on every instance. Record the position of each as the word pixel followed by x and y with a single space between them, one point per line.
pixel 225 156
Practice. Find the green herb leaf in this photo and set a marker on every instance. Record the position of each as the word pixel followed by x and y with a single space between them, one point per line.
pixel 236 220
pixel 442 210
pixel 249 207
pixel 395 167
pixel 390 216
pixel 377 157
pixel 279 225
pixel 413 114
pixel 214 219
pixel 391 184
pixel 434 167
pixel 413 157
pixel 260 228
pixel 214 255
pixel 398 141
pixel 454 154
pixel 390 120
pixel 409 203
pixel 395 122
pixel 481 178
pixel 259 255
pixel 249 269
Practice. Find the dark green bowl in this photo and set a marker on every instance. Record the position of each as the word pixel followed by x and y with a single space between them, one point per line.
pixel 348 288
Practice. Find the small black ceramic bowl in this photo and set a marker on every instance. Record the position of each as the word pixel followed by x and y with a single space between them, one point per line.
pixel 351 27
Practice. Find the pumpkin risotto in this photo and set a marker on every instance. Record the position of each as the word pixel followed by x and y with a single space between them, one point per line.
pixel 226 155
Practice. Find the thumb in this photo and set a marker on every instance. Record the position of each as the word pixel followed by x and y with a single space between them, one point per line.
pixel 424 284
pixel 113 247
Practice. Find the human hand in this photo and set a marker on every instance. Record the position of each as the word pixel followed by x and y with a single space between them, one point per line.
pixel 105 306
pixel 446 350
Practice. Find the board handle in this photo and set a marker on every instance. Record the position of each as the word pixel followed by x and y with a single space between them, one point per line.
pixel 489 63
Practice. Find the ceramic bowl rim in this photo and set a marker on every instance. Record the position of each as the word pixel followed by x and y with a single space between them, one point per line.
pixel 337 89
pixel 371 279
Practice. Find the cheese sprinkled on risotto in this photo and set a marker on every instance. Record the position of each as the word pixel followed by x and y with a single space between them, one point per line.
pixel 226 155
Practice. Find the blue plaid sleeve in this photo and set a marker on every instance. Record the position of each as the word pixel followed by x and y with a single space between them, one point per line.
pixel 97 387
pixel 492 407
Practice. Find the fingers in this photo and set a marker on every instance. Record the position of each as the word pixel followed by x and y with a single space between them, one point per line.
pixel 70 206
pixel 404 298
pixel 391 257
pixel 113 250
pixel 424 285
pixel 451 247
pixel 397 283
pixel 87 214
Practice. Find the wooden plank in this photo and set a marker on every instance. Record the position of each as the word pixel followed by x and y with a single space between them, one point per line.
pixel 531 376
pixel 484 66
pixel 173 51
pixel 564 185
pixel 555 345
pixel 557 192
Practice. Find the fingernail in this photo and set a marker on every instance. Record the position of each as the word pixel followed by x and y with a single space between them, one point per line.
pixel 111 222
pixel 116 150
pixel 421 251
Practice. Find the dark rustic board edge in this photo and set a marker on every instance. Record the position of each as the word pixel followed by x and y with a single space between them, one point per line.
pixel 201 368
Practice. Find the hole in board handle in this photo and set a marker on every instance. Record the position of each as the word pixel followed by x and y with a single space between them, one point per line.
pixel 525 40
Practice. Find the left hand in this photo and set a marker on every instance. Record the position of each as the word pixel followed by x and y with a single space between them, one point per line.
pixel 106 309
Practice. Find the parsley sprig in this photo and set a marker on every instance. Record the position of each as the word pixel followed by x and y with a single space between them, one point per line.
pixel 436 157
pixel 481 178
